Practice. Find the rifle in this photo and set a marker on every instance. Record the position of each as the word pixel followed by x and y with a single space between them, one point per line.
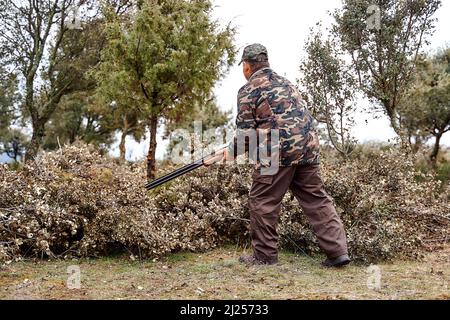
pixel 182 171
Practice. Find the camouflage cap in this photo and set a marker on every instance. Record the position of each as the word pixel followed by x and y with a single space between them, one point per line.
pixel 252 51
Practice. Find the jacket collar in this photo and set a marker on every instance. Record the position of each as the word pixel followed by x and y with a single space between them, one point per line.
pixel 257 73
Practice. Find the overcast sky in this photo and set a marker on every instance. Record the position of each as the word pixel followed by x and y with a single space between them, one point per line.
pixel 283 26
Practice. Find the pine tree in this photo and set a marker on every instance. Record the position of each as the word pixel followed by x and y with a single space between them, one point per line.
pixel 161 60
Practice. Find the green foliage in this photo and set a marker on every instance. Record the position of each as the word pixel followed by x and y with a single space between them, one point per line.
pixel 211 125
pixel 443 172
pixel 425 111
pixel 13 143
pixel 329 90
pixel 8 97
pixel 12 140
pixel 162 60
pixel 384 58
pixel 79 118
pixel 34 40
pixel 208 113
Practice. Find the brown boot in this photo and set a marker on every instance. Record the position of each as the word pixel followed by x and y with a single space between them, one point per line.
pixel 253 261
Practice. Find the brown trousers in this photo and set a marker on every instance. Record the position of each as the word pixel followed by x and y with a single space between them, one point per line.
pixel 306 184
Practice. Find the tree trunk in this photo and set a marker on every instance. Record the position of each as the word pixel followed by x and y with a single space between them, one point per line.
pixel 398 130
pixel 435 152
pixel 151 160
pixel 391 111
pixel 36 140
pixel 122 146
pixel 123 137
pixel 16 148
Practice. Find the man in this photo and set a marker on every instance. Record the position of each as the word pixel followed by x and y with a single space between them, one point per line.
pixel 269 102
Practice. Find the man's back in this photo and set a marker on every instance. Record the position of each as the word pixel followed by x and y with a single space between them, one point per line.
pixel 269 101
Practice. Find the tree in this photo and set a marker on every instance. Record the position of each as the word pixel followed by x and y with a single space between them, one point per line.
pixel 53 44
pixel 8 99
pixel 12 140
pixel 383 39
pixel 162 59
pixel 13 144
pixel 329 90
pixel 79 117
pixel 31 37
pixel 425 112
pixel 125 118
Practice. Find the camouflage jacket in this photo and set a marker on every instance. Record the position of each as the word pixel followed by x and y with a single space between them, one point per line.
pixel 270 102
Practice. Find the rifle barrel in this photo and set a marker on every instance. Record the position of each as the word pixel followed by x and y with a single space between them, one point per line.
pixel 175 174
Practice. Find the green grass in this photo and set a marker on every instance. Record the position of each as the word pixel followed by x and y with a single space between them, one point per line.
pixel 218 275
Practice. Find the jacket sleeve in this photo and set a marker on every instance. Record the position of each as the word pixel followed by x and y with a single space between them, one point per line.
pixel 245 126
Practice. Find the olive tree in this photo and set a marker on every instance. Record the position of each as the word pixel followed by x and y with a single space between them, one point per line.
pixel 329 90
pixel 383 39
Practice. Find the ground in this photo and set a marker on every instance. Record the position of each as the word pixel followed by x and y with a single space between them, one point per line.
pixel 218 275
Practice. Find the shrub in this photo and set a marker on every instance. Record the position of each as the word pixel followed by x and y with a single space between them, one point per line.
pixel 79 203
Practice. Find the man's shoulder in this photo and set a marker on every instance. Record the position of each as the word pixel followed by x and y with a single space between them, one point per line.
pixel 268 80
pixel 243 89
pixel 261 78
pixel 263 84
pixel 250 90
pixel 283 86
pixel 280 80
pixel 256 84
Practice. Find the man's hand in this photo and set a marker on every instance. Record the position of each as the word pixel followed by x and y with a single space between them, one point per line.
pixel 221 155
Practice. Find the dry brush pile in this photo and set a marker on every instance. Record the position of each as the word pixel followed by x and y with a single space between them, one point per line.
pixel 75 202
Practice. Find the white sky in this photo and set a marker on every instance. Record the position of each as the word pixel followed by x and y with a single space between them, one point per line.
pixel 283 26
